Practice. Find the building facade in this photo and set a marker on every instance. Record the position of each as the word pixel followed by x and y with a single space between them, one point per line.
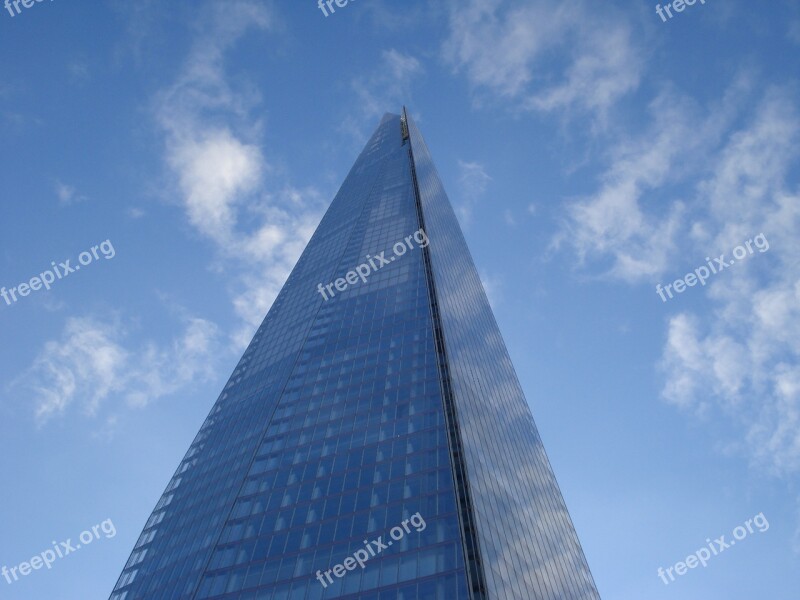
pixel 373 442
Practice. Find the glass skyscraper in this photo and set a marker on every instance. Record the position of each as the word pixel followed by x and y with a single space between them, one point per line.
pixel 373 442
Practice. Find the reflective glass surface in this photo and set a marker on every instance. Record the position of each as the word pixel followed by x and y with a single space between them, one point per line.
pixel 329 433
pixel 528 545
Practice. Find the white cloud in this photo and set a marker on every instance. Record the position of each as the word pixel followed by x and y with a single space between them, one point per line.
pixel 604 68
pixel 752 167
pixel 612 224
pixel 696 183
pixel 626 225
pixel 163 370
pixel 472 182
pixel 215 171
pixel 385 90
pixel 743 358
pixel 506 48
pixel 67 194
pixel 259 227
pixel 402 67
pixel 91 366
pixel 700 364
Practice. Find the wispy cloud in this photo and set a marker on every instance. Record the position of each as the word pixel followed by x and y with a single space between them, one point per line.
pixel 602 63
pixel 697 182
pixel 743 359
pixel 67 194
pixel 91 365
pixel 78 70
pixel 213 151
pixel 630 225
pixel 387 89
pixel 472 183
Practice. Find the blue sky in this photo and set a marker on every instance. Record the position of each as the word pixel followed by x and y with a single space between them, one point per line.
pixel 592 152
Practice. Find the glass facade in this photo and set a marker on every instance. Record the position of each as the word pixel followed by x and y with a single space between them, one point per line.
pixel 357 411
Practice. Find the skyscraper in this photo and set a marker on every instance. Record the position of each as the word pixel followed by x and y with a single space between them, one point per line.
pixel 373 442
